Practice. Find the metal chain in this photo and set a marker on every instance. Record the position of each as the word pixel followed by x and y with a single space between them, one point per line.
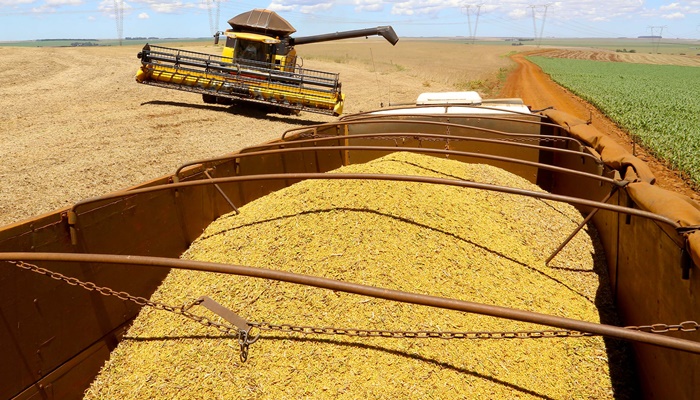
pixel 142 301
pixel 311 330
pixel 686 326
pixel 244 340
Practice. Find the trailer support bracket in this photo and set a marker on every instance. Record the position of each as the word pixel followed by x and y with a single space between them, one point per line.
pixel 244 337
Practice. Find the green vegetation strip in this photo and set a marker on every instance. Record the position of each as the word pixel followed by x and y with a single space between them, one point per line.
pixel 446 241
pixel 658 104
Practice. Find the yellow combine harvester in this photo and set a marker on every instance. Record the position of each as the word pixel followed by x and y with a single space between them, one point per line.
pixel 258 64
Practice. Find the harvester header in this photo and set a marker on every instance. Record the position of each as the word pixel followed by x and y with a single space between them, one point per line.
pixel 258 64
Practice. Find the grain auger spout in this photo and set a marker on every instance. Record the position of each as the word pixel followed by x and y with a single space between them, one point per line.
pixel 387 32
pixel 258 64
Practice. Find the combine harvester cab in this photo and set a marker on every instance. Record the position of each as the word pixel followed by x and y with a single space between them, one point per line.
pixel 73 281
pixel 258 64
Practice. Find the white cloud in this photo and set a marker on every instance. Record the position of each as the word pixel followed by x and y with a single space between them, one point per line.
pixel 675 11
pixel 400 9
pixel 280 7
pixel 368 5
pixel 8 3
pixel 63 2
pixel 50 6
pixel 424 7
pixel 518 13
pixel 169 7
pixel 518 9
pixel 107 8
pixel 144 15
pixel 304 6
pixel 590 10
pixel 673 16
pixel 43 9
pixel 672 6
pixel 310 9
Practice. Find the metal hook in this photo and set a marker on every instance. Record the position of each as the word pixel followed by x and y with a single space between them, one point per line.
pixel 244 341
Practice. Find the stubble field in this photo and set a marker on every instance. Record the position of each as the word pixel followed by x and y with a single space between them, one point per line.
pixel 75 124
pixel 635 58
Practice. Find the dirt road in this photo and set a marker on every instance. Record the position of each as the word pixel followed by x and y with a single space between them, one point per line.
pixel 537 90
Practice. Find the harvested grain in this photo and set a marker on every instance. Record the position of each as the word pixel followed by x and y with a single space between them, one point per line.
pixel 461 243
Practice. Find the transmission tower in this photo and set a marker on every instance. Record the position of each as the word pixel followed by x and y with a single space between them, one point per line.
pixel 119 18
pixel 544 18
pixel 656 39
pixel 214 15
pixel 467 8
pixel 534 20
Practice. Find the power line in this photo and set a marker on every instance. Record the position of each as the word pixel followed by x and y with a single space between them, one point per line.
pixel 507 24
pixel 534 21
pixel 544 18
pixel 472 36
pixel 119 18
pixel 574 25
pixel 214 21
pixel 654 42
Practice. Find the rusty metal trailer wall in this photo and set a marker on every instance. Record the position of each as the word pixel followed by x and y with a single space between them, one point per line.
pixel 649 286
pixel 457 126
pixel 54 337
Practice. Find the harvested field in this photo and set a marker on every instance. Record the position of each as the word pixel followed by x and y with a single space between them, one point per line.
pixel 483 246
pixel 76 124
pixel 637 58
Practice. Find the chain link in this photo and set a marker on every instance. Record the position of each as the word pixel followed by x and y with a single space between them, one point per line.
pixel 244 340
pixel 373 333
pixel 686 326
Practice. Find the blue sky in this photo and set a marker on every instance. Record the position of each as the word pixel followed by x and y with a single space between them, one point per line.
pixel 44 19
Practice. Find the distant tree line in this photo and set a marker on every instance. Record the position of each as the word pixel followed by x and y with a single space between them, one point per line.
pixel 96 40
pixel 81 40
pixel 83 44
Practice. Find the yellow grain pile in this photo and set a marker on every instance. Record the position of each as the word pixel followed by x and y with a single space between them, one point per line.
pixel 460 243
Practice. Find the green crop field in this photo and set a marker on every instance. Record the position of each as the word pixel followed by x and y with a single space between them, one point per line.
pixel 657 104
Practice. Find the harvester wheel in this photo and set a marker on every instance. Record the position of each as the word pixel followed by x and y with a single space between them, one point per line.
pixel 224 101
pixel 285 110
pixel 209 99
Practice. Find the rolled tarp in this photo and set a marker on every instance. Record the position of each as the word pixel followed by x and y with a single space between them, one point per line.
pixel 678 207
pixel 613 155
